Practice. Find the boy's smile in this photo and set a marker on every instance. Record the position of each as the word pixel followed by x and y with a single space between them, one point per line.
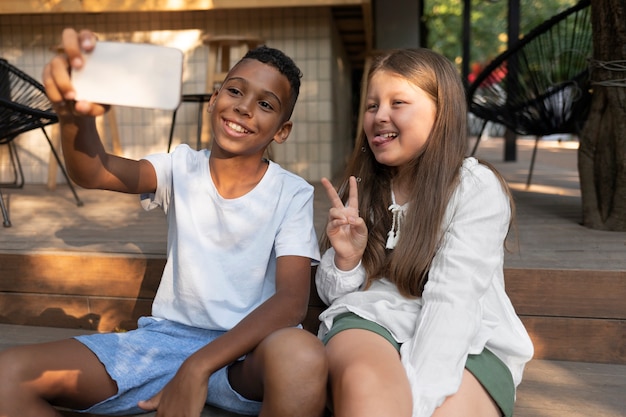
pixel 237 128
pixel 248 111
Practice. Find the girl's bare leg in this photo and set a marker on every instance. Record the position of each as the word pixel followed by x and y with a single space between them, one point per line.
pixel 288 372
pixel 366 376
pixel 33 378
pixel 471 400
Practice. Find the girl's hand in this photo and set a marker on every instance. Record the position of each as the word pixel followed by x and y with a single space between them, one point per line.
pixel 346 230
pixel 56 75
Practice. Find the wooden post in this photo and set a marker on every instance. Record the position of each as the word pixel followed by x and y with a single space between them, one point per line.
pixel 55 138
pixel 111 125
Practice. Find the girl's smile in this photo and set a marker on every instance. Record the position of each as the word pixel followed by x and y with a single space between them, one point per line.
pixel 384 137
pixel 398 118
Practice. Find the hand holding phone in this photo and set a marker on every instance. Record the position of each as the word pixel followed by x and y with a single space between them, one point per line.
pixel 131 75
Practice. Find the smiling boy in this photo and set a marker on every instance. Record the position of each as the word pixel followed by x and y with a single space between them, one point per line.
pixel 224 324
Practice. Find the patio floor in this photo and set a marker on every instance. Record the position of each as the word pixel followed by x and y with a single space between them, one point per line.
pixel 549 236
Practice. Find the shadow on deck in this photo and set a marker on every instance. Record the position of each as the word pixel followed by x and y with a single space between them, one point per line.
pixel 96 267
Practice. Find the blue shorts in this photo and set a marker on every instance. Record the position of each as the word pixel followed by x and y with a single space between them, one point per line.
pixel 142 361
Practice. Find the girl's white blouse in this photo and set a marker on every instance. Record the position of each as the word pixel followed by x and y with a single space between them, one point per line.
pixel 464 307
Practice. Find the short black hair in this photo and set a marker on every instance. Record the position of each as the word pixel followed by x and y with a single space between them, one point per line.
pixel 284 64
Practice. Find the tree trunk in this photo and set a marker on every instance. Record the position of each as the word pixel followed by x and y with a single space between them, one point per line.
pixel 602 152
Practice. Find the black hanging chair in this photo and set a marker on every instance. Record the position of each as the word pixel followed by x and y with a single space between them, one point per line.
pixel 541 85
pixel 24 106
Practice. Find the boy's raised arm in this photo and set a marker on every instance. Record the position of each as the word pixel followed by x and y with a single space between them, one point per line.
pixel 87 162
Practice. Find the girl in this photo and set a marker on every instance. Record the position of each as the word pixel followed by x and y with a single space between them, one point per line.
pixel 419 323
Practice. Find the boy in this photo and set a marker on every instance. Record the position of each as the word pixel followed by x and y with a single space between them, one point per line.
pixel 236 283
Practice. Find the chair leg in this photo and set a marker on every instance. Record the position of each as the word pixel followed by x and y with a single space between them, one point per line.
pixel 18 173
pixel 480 134
pixel 18 182
pixel 169 142
pixel 199 126
pixel 532 162
pixel 17 166
pixel 5 214
pixel 62 168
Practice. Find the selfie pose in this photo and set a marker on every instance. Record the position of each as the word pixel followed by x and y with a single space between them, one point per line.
pixel 224 324
pixel 419 322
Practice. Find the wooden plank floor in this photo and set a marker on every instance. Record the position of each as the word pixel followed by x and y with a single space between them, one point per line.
pixel 548 217
pixel 549 236
pixel 549 388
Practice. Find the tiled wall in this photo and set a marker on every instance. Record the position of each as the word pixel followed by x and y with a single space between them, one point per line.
pixel 322 118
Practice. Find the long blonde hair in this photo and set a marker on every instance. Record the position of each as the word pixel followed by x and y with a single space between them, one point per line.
pixel 431 176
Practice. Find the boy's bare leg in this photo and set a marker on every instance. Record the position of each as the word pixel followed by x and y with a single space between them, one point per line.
pixel 63 373
pixel 288 372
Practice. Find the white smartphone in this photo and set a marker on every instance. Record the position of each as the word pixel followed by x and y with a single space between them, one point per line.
pixel 131 75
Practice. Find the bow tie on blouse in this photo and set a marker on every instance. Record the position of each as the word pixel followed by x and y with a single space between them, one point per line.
pixel 398 212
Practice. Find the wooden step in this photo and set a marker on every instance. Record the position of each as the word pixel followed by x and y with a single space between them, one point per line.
pixel 573 315
pixel 86 291
pixel 548 389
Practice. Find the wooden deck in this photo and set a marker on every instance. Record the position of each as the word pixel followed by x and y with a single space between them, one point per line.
pixel 549 388
pixel 96 267
pixel 548 217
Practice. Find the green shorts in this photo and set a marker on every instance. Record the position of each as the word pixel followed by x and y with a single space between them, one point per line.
pixel 488 369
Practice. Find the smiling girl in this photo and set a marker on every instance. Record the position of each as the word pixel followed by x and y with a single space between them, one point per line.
pixel 419 323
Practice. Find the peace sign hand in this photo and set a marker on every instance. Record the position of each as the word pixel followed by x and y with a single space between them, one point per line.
pixel 346 231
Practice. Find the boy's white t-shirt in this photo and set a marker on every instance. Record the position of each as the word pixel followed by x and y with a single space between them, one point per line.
pixel 221 253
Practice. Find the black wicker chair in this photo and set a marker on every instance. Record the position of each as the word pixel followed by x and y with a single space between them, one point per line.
pixel 24 106
pixel 541 86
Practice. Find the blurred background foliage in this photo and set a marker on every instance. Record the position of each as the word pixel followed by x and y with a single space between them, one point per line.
pixel 443 20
